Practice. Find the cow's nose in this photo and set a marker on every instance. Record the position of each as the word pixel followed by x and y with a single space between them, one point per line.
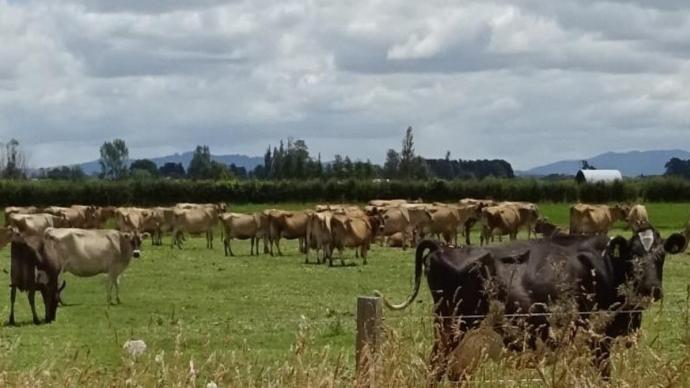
pixel 136 253
pixel 657 294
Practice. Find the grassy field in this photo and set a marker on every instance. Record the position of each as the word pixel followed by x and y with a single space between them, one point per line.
pixel 199 302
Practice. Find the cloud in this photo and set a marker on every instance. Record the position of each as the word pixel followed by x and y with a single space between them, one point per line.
pixel 530 81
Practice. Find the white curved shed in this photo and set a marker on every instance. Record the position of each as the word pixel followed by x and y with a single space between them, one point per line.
pixel 594 176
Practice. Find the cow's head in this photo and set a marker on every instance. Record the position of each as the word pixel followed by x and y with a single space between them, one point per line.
pixel 620 212
pixel 642 258
pixel 134 240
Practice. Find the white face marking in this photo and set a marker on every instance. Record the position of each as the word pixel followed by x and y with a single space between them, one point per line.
pixel 647 239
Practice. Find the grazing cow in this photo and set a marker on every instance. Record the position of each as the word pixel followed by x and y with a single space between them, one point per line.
pixel 351 232
pixel 289 225
pixel 158 221
pixel 35 224
pixel 637 216
pixel 241 227
pixel 88 252
pixel 409 220
pixel 30 272
pixel 529 214
pixel 595 219
pixel 546 228
pixel 541 276
pixel 319 234
pixel 473 208
pixel 499 220
pixel 195 221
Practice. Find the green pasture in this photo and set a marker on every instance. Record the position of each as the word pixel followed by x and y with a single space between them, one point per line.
pixel 257 304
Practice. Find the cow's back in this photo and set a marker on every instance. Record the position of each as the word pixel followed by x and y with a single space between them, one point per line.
pixel 85 252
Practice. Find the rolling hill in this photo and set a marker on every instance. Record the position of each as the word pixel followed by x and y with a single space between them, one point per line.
pixel 633 163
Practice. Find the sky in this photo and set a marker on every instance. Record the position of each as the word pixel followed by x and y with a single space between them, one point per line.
pixel 530 81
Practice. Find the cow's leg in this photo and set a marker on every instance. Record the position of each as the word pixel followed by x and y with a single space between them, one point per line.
pixel 602 356
pixel 251 246
pixel 13 297
pixel 280 253
pixel 364 253
pixel 230 247
pixel 116 286
pixel 31 294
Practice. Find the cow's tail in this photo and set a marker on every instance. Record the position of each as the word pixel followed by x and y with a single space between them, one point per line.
pixel 424 249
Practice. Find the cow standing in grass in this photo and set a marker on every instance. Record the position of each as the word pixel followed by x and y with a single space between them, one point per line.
pixel 540 276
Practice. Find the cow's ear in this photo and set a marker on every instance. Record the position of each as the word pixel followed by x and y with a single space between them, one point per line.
pixel 618 248
pixel 145 235
pixel 675 243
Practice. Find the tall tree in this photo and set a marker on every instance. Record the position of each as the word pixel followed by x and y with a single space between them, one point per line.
pixel 407 159
pixel 203 167
pixel 113 160
pixel 391 166
pixel 12 161
pixel 678 167
pixel 172 170
pixel 144 165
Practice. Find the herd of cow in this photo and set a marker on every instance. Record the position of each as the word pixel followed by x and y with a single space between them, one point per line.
pixel 49 241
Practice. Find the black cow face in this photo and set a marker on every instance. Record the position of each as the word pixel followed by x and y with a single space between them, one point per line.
pixel 643 259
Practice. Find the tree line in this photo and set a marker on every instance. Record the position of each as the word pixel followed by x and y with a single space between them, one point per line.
pixel 289 160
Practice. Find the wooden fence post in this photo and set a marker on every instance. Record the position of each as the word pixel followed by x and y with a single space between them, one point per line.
pixel 369 337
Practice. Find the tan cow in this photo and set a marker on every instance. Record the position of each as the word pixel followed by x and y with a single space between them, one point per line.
pixel 595 219
pixel 637 216
pixel 99 217
pixel 158 221
pixel 473 209
pixel 35 224
pixel 76 216
pixel 241 227
pixel 529 214
pixel 319 234
pixel 195 221
pixel 20 210
pixel 87 252
pixel 445 220
pixel 131 219
pixel 351 232
pixel 410 220
pixel 499 220
pixel 285 224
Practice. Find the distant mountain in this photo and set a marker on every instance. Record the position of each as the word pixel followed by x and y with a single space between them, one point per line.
pixel 248 162
pixel 633 163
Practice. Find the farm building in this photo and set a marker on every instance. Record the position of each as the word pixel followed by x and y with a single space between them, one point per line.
pixel 594 176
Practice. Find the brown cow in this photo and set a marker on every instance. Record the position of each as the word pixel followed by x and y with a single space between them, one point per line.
pixel 284 224
pixel 351 232
pixel 319 234
pixel 409 220
pixel 595 219
pixel 99 216
pixel 241 227
pixel 499 220
pixel 529 214
pixel 194 221
pixel 30 272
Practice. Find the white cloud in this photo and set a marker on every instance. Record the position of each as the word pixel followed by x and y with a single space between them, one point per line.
pixel 529 81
